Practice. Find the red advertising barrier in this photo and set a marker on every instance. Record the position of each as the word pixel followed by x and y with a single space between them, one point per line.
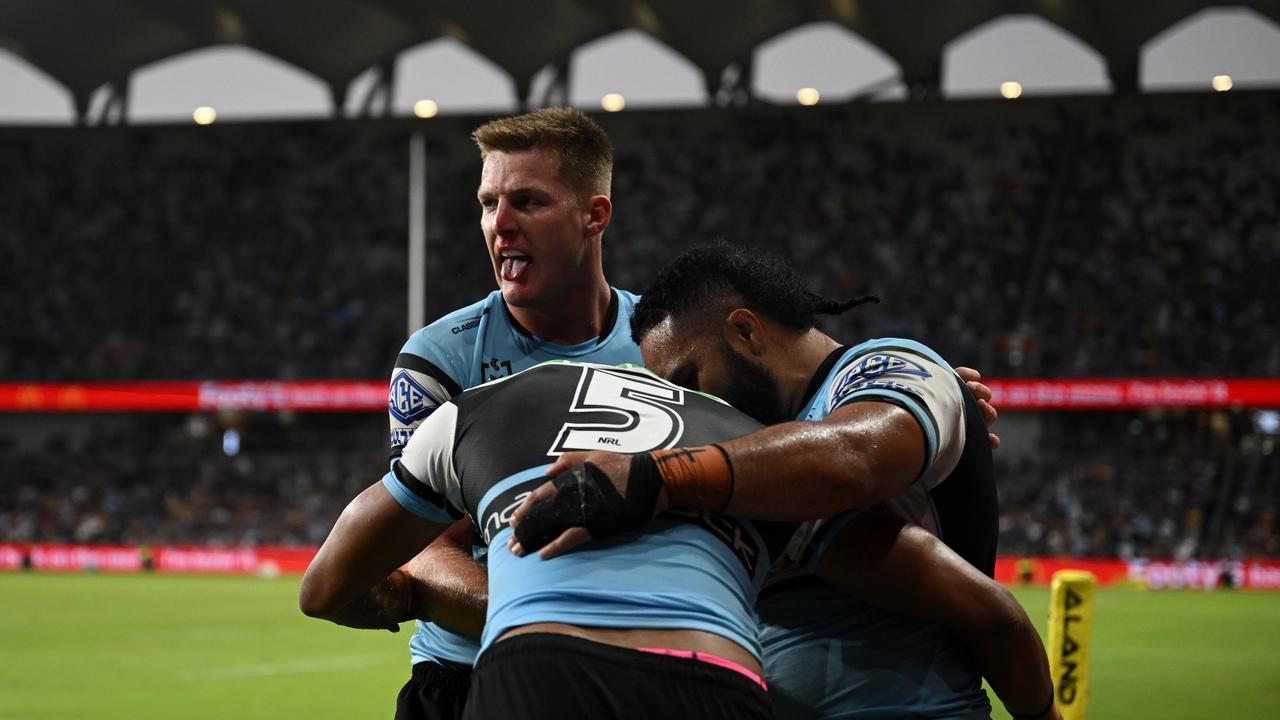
pixel 1151 574
pixel 262 559
pixel 272 560
pixel 371 395
pixel 1129 394
pixel 316 396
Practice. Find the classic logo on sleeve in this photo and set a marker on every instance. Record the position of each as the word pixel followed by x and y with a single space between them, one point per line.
pixel 880 371
pixel 409 402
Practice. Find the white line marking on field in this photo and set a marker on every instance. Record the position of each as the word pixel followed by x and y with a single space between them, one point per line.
pixel 292 667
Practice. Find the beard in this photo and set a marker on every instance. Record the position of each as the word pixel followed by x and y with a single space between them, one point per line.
pixel 753 389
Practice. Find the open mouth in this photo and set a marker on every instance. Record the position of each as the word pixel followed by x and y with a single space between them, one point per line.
pixel 513 265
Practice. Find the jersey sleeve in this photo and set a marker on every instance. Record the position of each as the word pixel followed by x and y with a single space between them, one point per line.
pixel 913 377
pixel 424 481
pixel 419 384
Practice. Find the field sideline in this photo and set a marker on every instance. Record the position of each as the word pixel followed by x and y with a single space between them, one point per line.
pixel 81 647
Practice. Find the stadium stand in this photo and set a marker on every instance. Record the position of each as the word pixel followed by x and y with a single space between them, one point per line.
pixel 1163 484
pixel 1126 236
pixel 167 479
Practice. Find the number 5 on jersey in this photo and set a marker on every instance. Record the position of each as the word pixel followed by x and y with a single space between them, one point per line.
pixel 638 409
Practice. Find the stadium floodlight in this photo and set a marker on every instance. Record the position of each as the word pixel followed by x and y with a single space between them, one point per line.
pixel 204 115
pixel 1222 83
pixel 613 102
pixel 808 96
pixel 1011 90
pixel 425 108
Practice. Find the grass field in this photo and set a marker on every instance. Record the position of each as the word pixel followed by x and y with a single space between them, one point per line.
pixel 86 647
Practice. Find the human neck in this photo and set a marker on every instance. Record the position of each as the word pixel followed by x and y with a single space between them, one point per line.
pixel 804 356
pixel 575 317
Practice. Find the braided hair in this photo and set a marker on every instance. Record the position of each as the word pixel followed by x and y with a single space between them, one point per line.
pixel 762 281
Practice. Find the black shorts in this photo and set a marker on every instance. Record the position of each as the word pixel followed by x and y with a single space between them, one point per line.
pixel 435 692
pixel 544 676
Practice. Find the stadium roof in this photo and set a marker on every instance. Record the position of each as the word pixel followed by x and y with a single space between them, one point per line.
pixel 86 44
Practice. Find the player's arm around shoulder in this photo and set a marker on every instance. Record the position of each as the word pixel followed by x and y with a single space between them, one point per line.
pixel 859 455
pixel 895 415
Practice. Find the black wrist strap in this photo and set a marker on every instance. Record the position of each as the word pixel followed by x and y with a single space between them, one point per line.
pixel 644 472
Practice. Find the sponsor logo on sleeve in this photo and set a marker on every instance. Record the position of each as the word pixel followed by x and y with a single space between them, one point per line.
pixel 408 401
pixel 465 326
pixel 878 371
pixel 400 437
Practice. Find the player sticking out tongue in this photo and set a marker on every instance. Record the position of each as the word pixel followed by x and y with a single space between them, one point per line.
pixel 513 266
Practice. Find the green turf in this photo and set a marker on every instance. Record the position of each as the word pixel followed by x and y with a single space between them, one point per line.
pixel 84 646
pixel 77 646
pixel 1179 654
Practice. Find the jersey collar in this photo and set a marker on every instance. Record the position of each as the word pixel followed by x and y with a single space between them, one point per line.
pixel 610 319
pixel 819 377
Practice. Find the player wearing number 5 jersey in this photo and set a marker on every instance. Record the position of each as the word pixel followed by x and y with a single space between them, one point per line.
pixel 462 350
pixel 660 626
pixel 886 422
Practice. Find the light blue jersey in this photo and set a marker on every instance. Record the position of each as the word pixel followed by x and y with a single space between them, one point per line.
pixel 829 656
pixel 466 348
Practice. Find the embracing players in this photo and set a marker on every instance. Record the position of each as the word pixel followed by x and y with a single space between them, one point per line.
pixel 661 626
pixel 545 206
pixel 884 422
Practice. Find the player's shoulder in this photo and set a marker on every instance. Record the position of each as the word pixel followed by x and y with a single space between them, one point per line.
pixel 458 328
pixel 889 367
pixel 891 349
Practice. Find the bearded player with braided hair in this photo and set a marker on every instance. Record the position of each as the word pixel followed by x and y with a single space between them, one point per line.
pixel 880 435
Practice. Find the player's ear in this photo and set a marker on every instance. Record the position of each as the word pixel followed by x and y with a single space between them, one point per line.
pixel 599 211
pixel 744 332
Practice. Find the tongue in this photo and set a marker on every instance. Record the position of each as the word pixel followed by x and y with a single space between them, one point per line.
pixel 513 268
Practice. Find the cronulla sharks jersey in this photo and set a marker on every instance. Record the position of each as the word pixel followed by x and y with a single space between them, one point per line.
pixel 829 656
pixel 482 452
pixel 482 342
pixel 465 348
pixel 963 510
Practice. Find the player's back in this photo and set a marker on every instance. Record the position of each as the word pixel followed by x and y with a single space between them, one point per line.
pixel 468 347
pixel 695 571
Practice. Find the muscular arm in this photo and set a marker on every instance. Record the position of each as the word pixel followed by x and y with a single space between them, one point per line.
pixel 860 455
pixel 450 588
pixel 354 579
pixel 903 569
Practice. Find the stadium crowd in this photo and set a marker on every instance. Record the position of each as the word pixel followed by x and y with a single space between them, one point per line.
pixel 1129 237
pixel 171 479
pixel 1171 484
pixel 1098 237
pixel 1097 484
